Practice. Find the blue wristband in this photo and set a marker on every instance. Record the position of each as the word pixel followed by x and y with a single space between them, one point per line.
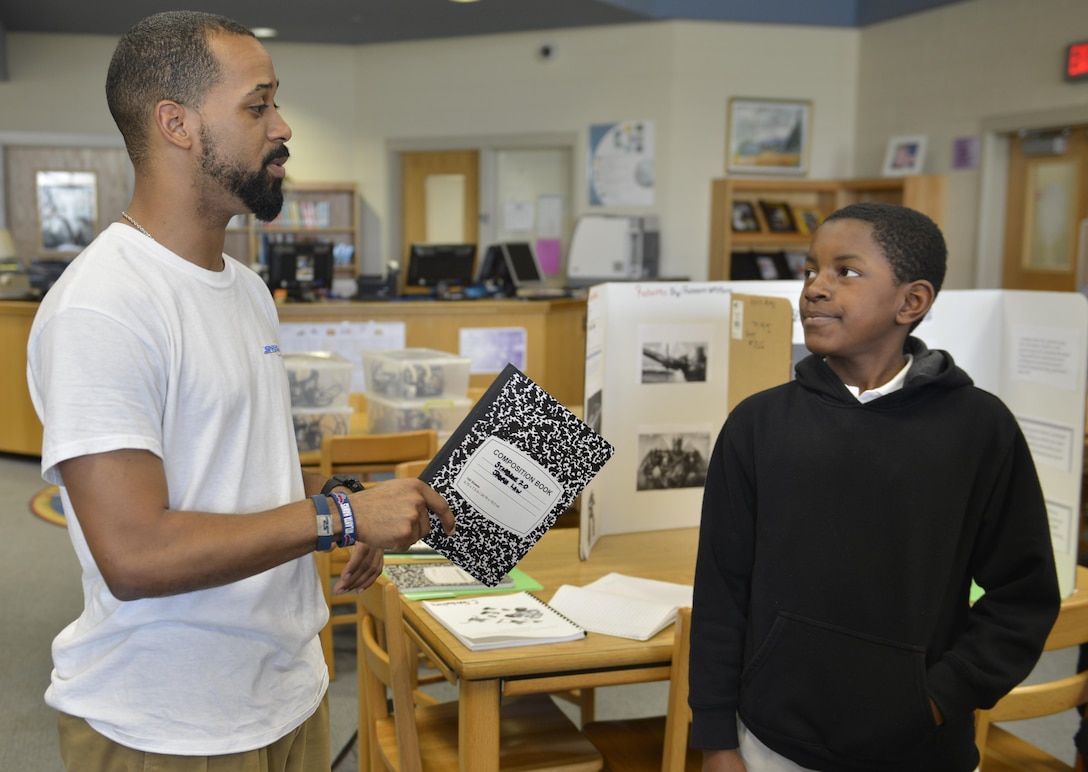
pixel 347 519
pixel 325 532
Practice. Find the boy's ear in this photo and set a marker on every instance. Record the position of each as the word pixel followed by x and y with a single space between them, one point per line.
pixel 917 300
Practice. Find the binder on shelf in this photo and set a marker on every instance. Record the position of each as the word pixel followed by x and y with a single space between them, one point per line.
pixel 510 469
pixel 500 621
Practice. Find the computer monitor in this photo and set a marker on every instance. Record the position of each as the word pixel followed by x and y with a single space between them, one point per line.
pixel 300 267
pixel 524 267
pixel 508 267
pixel 439 267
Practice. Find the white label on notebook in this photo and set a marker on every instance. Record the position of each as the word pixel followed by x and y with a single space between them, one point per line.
pixel 507 486
pixel 448 575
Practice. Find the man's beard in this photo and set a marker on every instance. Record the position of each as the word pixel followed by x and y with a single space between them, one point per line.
pixel 261 193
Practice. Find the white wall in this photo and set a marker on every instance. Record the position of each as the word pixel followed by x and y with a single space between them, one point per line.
pixel 348 105
pixel 947 72
pixel 953 72
pixel 679 75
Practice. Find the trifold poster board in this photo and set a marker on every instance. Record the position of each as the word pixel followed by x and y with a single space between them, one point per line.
pixel 665 361
pixel 1028 348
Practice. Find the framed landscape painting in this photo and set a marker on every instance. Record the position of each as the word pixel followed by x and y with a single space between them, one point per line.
pixel 768 136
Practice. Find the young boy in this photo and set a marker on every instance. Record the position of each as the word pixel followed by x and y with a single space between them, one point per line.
pixel 844 516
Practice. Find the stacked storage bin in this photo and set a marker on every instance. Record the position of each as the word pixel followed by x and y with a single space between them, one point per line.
pixel 415 388
pixel 320 381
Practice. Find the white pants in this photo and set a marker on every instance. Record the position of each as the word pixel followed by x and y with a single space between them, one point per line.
pixel 758 757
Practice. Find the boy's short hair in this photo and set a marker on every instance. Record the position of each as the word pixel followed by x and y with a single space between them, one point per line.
pixel 165 56
pixel 912 243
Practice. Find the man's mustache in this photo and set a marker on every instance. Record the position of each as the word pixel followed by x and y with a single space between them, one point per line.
pixel 276 154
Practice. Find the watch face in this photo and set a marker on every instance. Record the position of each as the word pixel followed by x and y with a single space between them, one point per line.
pixel 346 481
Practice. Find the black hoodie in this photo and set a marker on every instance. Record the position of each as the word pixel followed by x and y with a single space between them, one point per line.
pixel 836 551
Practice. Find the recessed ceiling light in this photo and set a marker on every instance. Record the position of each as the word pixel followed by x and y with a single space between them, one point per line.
pixel 264 32
pixel 464 1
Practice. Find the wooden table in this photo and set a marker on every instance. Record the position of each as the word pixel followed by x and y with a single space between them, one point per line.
pixel 597 660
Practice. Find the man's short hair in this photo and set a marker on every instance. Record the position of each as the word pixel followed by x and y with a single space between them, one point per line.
pixel 165 56
pixel 912 243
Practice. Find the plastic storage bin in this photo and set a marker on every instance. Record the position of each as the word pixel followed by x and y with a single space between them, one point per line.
pixel 384 416
pixel 312 424
pixel 415 373
pixel 318 379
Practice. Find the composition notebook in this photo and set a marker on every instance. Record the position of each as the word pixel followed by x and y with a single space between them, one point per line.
pixel 420 580
pixel 511 468
pixel 499 621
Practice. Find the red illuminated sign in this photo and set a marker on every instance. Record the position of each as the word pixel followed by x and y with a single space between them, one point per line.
pixel 1076 61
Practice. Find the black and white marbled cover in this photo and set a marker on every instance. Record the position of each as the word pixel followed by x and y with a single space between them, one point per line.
pixel 532 448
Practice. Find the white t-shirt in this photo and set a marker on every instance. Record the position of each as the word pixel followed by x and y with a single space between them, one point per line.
pixel 135 347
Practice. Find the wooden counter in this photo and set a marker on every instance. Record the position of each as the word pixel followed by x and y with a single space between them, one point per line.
pixel 20 430
pixel 555 345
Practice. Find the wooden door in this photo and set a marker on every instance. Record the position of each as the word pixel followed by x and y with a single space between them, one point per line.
pixel 1046 210
pixel 440 199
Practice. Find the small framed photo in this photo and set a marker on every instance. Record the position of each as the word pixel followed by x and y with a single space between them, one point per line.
pixel 744 217
pixel 808 218
pixel 768 136
pixel 778 216
pixel 905 155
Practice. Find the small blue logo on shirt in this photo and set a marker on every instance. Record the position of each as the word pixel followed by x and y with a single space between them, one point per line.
pixel 273 349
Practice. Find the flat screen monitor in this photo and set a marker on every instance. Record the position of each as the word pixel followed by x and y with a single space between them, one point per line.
pixel 300 267
pixel 510 266
pixel 524 267
pixel 440 266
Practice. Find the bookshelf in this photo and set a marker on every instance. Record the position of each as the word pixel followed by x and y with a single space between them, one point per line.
pixel 925 192
pixel 311 212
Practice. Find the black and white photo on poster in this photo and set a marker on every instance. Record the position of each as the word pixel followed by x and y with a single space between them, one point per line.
pixel 672 457
pixel 674 353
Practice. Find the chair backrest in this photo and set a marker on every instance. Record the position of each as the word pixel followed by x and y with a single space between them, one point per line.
pixel 678 713
pixel 386 666
pixel 410 468
pixel 1050 697
pixel 366 454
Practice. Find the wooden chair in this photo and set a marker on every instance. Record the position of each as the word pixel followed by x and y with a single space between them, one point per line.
pixel 410 468
pixel 657 743
pixel 362 455
pixel 1001 750
pixel 420 733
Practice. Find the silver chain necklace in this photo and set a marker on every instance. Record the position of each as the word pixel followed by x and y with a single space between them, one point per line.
pixel 137 225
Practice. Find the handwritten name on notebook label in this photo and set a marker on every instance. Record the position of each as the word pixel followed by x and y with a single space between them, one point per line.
pixel 507 486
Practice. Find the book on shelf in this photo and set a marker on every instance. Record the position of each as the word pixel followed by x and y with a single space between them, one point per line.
pixel 418 580
pixel 624 606
pixel 500 621
pixel 509 470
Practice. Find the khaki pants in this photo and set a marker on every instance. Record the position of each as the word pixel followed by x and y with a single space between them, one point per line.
pixel 306 749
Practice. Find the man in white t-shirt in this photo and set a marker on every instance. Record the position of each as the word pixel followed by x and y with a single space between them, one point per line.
pixel 155 368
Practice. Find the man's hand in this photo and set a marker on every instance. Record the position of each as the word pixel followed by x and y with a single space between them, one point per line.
pixel 394 514
pixel 723 761
pixel 364 566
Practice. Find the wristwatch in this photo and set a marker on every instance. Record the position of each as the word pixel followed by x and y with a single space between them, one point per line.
pixel 342 481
